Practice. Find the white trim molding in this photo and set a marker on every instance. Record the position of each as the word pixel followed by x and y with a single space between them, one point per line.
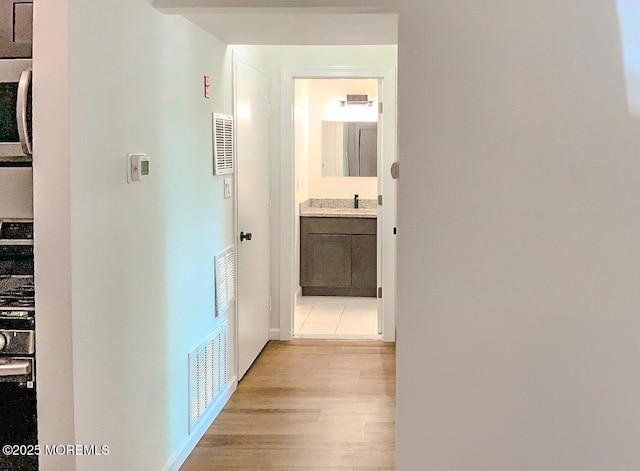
pixel 183 452
pixel 274 334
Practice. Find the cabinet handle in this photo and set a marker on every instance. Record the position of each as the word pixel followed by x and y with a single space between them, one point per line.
pixel 246 236
pixel 14 368
pixel 21 108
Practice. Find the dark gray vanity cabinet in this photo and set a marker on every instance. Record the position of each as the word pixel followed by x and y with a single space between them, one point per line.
pixel 338 256
pixel 16 29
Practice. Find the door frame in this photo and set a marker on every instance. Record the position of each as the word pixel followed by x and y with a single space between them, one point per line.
pixel 387 212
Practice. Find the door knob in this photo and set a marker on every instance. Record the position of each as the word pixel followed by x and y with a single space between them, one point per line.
pixel 244 236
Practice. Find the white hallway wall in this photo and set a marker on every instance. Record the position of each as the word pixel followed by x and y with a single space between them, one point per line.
pixel 138 258
pixel 519 241
pixel 282 57
pixel 52 238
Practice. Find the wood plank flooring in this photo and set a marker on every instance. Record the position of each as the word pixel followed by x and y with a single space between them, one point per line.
pixel 308 405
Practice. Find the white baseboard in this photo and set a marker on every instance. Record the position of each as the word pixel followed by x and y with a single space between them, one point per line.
pixel 298 292
pixel 185 449
pixel 274 334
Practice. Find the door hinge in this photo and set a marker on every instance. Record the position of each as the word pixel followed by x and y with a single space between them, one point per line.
pixel 380 108
pixel 269 303
pixel 380 292
pixel 379 200
pixel 269 207
pixel 269 110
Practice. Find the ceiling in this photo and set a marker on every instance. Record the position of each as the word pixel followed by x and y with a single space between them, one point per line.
pixel 300 28
pixel 291 22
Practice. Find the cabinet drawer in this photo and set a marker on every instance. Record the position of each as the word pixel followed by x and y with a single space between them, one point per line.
pixel 357 226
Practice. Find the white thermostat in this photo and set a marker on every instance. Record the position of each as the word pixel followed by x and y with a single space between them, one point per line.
pixel 139 168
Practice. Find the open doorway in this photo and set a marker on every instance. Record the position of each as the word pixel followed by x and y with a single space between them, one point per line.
pixel 337 247
pixel 386 192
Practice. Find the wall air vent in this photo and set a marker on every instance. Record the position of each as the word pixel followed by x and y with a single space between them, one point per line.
pixel 208 374
pixel 225 279
pixel 222 144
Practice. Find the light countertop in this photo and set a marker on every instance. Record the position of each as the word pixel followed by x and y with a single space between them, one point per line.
pixel 341 208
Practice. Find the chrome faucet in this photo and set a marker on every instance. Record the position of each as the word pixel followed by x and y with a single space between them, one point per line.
pixel 355 202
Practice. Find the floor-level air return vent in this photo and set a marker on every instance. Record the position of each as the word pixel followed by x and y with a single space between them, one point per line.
pixel 222 144
pixel 208 374
pixel 225 280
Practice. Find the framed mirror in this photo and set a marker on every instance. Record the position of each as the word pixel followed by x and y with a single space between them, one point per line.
pixel 349 149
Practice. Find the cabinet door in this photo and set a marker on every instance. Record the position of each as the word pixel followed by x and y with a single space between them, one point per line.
pixel 16 29
pixel 364 261
pixel 326 261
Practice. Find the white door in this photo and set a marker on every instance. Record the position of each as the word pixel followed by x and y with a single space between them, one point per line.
pixel 252 166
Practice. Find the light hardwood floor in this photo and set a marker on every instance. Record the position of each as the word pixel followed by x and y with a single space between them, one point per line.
pixel 307 405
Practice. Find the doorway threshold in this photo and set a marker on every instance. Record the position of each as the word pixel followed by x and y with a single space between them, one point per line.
pixel 337 337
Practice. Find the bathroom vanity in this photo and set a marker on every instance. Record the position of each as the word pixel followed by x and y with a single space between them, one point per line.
pixel 338 248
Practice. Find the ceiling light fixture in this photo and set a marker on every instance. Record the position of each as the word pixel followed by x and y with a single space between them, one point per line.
pixel 357 100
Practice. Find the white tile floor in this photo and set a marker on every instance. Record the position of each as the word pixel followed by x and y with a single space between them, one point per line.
pixel 336 317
